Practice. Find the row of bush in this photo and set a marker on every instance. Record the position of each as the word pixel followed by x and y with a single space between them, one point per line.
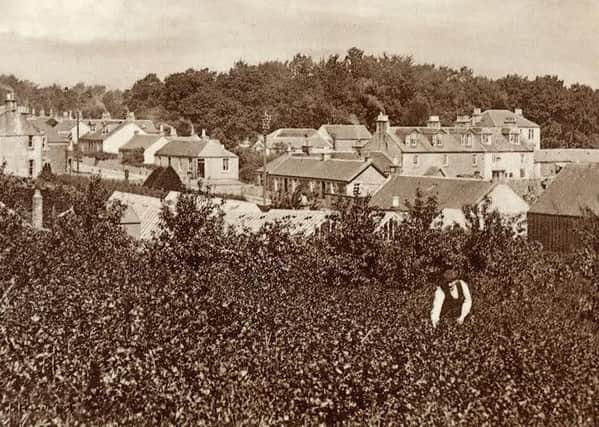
pixel 203 326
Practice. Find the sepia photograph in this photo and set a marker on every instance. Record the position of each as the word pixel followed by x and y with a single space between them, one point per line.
pixel 299 213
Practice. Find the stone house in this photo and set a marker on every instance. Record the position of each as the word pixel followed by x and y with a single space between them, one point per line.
pixel 345 137
pixel 21 143
pixel 463 150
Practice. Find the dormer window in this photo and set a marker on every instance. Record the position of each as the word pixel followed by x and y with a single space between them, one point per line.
pixel 413 140
pixel 437 140
pixel 469 140
pixel 486 138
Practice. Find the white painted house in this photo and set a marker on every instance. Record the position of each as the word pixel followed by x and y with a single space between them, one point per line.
pixel 452 195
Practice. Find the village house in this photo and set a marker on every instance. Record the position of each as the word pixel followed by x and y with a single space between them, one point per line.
pixel 142 148
pixel 21 144
pixel 345 137
pixel 108 137
pixel 55 147
pixel 295 140
pixel 553 219
pixel 452 195
pixel 470 148
pixel 323 176
pixel 550 161
pixel 68 129
pixel 196 158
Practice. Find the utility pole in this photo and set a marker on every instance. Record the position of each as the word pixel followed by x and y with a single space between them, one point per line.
pixel 77 145
pixel 265 128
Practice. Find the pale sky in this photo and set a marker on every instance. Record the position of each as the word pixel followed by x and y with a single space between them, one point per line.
pixel 116 42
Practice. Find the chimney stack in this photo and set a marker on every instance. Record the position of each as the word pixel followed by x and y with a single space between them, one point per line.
pixel 204 136
pixel 326 155
pixel 37 213
pixel 518 112
pixel 395 166
pixel 382 125
pixel 395 201
pixel 11 104
pixel 307 147
pixel 476 115
pixel 433 122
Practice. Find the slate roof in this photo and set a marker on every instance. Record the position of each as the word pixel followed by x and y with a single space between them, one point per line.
pixel 567 155
pixel 451 193
pixel 496 118
pixel 312 168
pixel 147 126
pixel 381 160
pixel 178 147
pixel 348 132
pixel 66 125
pixel 140 142
pixel 13 123
pixel 98 134
pixel 576 186
pixel 296 138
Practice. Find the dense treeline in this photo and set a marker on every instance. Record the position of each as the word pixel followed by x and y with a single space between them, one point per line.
pixel 353 88
pixel 201 326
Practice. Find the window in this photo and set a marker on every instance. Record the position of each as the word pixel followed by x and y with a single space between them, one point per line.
pixel 356 189
pixel 31 167
pixel 522 158
pixel 30 142
pixel 225 165
pixel 531 133
pixel 522 173
pixel 331 188
pixel 445 160
pixel 469 140
pixel 437 140
pixel 486 138
pixel 415 160
pixel 169 161
pixel 514 138
pixel 474 160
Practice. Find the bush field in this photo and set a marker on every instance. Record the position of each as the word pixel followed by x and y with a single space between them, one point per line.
pixel 201 326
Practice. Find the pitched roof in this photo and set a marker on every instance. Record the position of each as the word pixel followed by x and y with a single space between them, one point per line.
pixel 178 147
pixel 348 132
pixel 497 118
pixel 147 126
pixel 99 135
pixel 449 140
pixel 145 208
pixel 140 142
pixel 66 125
pixel 296 138
pixel 14 123
pixel 52 135
pixel 381 160
pixel 576 187
pixel 452 193
pixel 332 169
pixel 567 155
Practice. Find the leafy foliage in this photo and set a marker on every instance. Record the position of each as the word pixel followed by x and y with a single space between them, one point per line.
pixel 203 326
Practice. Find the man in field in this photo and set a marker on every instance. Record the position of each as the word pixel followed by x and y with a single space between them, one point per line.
pixel 452 299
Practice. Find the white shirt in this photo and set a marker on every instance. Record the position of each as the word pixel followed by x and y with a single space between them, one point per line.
pixel 453 292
